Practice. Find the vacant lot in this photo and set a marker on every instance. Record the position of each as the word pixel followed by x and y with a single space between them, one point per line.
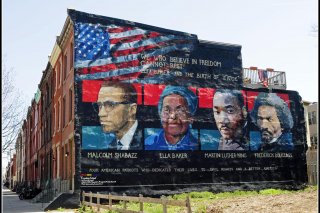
pixel 295 202
pixel 264 201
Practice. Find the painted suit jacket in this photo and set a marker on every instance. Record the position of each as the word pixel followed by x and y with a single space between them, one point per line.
pixel 283 143
pixel 136 143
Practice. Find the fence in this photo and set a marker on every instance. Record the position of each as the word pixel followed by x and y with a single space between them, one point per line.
pixel 275 79
pixel 108 205
pixel 312 166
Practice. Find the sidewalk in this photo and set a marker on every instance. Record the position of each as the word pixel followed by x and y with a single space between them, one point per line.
pixel 12 203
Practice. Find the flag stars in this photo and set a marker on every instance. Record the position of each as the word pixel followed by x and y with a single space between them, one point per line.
pixel 92 41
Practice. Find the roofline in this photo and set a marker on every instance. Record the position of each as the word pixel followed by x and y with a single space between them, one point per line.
pixel 219 43
pixel 66 27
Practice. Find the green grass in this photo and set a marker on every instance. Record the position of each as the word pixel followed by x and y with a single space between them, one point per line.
pixel 147 207
pixel 199 200
pixel 85 209
pixel 61 209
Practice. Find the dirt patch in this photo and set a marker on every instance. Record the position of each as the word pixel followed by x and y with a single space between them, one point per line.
pixel 299 202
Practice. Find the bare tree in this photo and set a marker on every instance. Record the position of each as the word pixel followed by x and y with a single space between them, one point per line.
pixel 13 110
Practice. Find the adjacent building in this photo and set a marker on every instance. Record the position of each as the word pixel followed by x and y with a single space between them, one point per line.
pixel 45 145
pixel 311 116
pixel 312 110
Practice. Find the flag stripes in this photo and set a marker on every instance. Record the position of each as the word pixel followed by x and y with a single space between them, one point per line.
pixel 107 51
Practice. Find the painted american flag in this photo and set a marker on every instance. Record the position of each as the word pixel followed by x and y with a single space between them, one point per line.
pixel 106 51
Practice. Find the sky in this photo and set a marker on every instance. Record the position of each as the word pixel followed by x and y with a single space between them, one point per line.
pixel 273 34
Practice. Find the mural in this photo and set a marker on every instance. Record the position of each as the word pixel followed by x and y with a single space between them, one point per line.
pixel 176 108
pixel 274 120
pixel 158 109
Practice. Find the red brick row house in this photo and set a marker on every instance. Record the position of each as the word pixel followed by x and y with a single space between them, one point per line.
pixel 45 144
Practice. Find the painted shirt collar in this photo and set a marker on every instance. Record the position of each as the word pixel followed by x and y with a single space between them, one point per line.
pixel 127 138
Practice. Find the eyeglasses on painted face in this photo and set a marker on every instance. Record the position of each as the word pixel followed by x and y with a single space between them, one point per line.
pixel 180 112
pixel 109 105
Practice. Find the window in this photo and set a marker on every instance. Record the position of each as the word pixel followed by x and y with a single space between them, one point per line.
pixel 60 72
pixel 309 118
pixel 70 104
pixel 56 78
pixel 312 118
pixel 71 55
pixel 43 104
pixel 39 139
pixel 64 111
pixel 65 66
pixel 53 83
pixel 58 115
pixel 35 117
pixel 54 119
pixel 50 125
pixel 42 135
pixel 32 146
pixel 47 95
pixel 46 131
pixel 31 122
pixel 314 140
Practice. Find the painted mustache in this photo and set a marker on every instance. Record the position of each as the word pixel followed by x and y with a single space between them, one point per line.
pixel 224 128
pixel 266 132
pixel 266 135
